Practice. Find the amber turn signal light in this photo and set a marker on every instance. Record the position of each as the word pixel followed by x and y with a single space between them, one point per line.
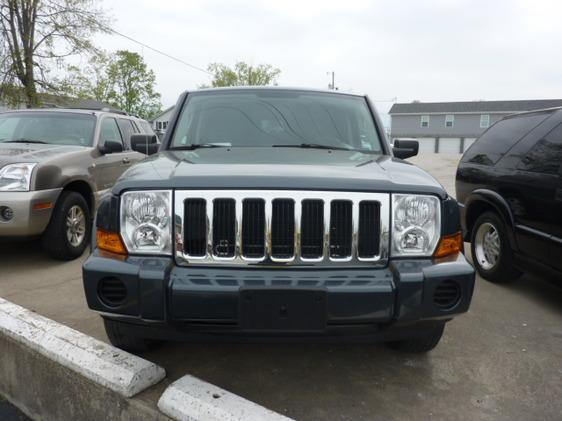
pixel 110 241
pixel 41 206
pixel 450 244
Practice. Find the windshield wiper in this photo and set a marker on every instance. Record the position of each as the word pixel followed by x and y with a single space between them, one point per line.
pixel 194 146
pixel 24 141
pixel 313 146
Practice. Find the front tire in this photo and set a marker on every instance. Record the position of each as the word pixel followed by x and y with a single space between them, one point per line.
pixel 422 344
pixel 121 337
pixel 491 251
pixel 69 229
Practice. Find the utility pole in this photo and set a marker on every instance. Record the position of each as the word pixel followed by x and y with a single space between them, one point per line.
pixel 332 85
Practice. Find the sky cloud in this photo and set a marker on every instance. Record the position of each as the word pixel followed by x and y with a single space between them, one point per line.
pixel 434 50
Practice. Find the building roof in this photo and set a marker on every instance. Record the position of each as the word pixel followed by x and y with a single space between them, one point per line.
pixel 81 103
pixel 161 113
pixel 59 101
pixel 474 106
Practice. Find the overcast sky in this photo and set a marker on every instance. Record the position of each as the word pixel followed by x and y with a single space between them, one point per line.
pixel 431 50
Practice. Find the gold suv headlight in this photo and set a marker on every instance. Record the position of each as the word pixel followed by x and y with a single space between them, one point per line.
pixel 16 177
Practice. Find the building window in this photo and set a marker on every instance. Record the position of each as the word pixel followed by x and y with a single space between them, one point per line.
pixel 164 125
pixel 449 120
pixel 424 121
pixel 484 121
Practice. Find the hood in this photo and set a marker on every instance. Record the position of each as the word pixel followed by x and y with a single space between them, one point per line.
pixel 32 152
pixel 277 168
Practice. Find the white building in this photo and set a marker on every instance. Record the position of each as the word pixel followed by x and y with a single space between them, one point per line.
pixel 160 122
pixel 451 127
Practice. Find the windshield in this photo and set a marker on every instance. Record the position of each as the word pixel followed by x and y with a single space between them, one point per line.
pixel 46 127
pixel 276 119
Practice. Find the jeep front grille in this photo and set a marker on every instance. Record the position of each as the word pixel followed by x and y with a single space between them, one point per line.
pixel 369 216
pixel 281 227
pixel 196 225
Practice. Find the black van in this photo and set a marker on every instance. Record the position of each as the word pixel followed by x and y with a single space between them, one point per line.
pixel 509 186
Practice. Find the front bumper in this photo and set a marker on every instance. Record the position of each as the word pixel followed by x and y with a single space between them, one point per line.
pixel 170 301
pixel 27 221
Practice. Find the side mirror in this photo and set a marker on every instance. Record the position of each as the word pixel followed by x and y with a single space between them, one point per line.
pixel 405 148
pixel 144 143
pixel 110 146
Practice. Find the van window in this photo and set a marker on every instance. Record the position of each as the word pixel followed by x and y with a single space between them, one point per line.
pixel 545 156
pixel 501 137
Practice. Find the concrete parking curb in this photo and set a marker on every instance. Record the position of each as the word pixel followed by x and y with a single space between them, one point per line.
pixel 195 400
pixel 110 367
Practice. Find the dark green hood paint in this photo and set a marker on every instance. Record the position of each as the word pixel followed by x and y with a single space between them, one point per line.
pixel 277 168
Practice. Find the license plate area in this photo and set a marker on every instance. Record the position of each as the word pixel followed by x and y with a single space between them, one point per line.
pixel 282 310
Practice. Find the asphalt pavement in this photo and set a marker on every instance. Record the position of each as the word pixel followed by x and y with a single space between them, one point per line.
pixel 500 361
pixel 9 412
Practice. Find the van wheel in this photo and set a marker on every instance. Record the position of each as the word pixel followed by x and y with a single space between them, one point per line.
pixel 69 230
pixel 491 251
pixel 120 337
pixel 420 345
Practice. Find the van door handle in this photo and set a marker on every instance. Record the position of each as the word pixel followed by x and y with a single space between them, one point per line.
pixel 558 197
pixel 126 161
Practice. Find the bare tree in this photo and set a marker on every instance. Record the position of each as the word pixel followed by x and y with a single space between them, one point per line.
pixel 40 34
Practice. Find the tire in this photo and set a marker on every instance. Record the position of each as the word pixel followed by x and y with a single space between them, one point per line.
pixel 501 270
pixel 422 344
pixel 120 337
pixel 55 239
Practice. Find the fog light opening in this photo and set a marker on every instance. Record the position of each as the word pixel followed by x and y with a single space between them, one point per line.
pixel 447 295
pixel 112 291
pixel 6 213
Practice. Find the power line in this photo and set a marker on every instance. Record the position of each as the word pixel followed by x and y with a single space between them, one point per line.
pixel 158 51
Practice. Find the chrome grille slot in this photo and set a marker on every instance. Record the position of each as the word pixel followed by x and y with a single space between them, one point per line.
pixel 253 228
pixel 369 229
pixel 281 228
pixel 224 228
pixel 195 227
pixel 312 229
pixel 341 229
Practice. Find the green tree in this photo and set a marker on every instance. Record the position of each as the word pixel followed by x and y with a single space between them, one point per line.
pixel 39 35
pixel 132 85
pixel 122 80
pixel 90 80
pixel 243 74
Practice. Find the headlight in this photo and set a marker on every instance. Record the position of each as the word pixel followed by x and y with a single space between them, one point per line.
pixel 16 177
pixel 146 221
pixel 416 224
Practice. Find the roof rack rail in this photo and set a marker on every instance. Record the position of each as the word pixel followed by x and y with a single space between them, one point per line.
pixel 49 105
pixel 70 107
pixel 103 109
